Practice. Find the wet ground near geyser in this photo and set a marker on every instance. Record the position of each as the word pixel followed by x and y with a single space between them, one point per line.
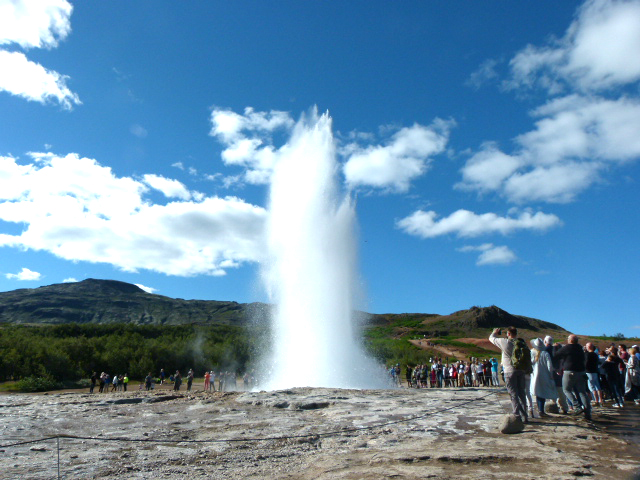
pixel 306 433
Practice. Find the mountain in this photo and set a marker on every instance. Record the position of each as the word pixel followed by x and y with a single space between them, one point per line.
pixel 476 321
pixel 110 301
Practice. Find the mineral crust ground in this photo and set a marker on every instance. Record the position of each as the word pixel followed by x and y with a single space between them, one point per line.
pixel 306 433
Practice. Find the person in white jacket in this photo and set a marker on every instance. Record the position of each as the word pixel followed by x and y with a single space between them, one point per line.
pixel 542 383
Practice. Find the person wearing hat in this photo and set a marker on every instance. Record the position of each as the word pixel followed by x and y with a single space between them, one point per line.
pixel 542 384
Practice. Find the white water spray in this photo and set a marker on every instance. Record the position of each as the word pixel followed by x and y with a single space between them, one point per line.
pixel 311 272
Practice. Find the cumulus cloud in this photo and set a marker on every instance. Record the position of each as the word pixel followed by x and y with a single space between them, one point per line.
pixel 249 142
pixel 590 123
pixel 24 275
pixel 464 223
pixel 491 254
pixel 26 79
pixel 403 158
pixel 574 141
pixel 69 280
pixel 79 210
pixel 31 24
pixel 34 24
pixel 145 288
pixel 248 139
pixel 599 50
pixel 169 187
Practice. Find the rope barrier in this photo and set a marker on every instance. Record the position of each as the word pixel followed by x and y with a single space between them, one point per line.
pixel 255 439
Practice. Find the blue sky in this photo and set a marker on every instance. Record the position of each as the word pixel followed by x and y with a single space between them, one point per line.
pixel 493 147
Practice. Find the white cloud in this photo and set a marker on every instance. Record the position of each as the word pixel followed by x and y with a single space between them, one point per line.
pixel 32 81
pixel 34 23
pixel 558 183
pixel 484 73
pixel 576 140
pixel 179 165
pixel 169 187
pixel 24 275
pixel 491 254
pixel 146 289
pixel 601 49
pixel 249 139
pixel 580 135
pixel 393 166
pixel 586 128
pixel 69 280
pixel 464 223
pixel 79 210
pixel 488 169
pixel 249 143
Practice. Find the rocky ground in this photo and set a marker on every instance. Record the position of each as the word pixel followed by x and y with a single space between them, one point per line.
pixel 306 433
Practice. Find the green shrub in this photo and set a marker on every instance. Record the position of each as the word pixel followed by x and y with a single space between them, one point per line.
pixel 37 384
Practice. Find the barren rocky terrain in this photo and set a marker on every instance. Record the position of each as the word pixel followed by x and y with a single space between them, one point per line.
pixel 306 433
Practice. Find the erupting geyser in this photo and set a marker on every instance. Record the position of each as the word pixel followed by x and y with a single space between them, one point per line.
pixel 310 273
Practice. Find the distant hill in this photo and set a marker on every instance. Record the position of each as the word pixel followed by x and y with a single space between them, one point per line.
pixel 110 301
pixel 476 320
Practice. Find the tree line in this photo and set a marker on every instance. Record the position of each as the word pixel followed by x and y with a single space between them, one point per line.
pixel 73 351
pixel 70 352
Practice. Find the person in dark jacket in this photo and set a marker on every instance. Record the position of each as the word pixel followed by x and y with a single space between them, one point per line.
pixel 177 381
pixel 612 372
pixel 573 363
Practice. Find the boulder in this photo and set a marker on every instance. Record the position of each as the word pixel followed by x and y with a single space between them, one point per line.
pixel 510 424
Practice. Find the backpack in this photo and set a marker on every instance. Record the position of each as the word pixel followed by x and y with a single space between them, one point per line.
pixel 521 356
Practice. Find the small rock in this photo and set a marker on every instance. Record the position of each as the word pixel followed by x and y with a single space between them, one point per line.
pixel 552 408
pixel 510 424
pixel 38 449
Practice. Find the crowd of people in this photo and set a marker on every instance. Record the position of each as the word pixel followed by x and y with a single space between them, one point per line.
pixel 220 381
pixel 573 377
pixel 473 373
pixel 106 383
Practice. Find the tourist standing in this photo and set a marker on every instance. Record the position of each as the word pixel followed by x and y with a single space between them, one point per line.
pixel 560 398
pixel 592 367
pixel 514 379
pixel 542 384
pixel 633 373
pixel 94 379
pixel 573 363
pixel 494 372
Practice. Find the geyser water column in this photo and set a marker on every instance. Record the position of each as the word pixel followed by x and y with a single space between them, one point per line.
pixel 310 273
